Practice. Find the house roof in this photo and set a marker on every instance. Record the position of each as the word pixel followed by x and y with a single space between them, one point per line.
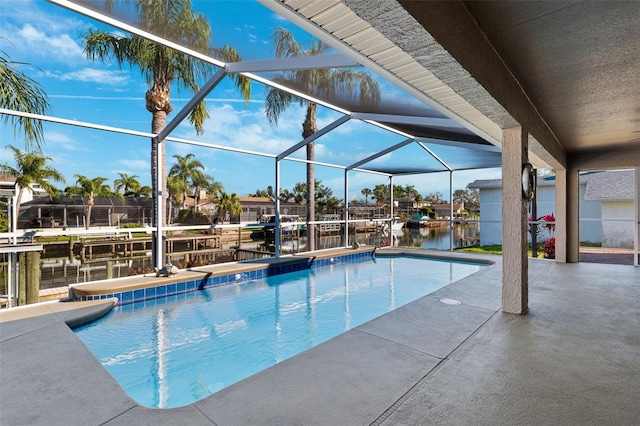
pixel 497 183
pixel 486 184
pixel 68 201
pixel 610 185
pixel 602 185
pixel 256 200
pixel 456 206
pixel 7 180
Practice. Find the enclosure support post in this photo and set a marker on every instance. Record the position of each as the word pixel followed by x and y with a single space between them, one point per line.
pixel 157 237
pixel 346 208
pixel 451 210
pixel 391 196
pixel 277 212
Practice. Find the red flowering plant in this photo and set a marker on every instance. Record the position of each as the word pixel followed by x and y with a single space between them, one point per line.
pixel 548 224
pixel 549 247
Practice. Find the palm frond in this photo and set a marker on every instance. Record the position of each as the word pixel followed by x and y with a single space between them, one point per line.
pixel 276 102
pixel 18 92
pixel 285 45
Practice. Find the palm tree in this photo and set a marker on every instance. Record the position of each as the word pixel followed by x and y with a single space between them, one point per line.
pixel 20 93
pixel 286 196
pixel 381 192
pixel 30 168
pixel 213 187
pixel 185 169
pixel 319 82
pixel 143 191
pixel 332 204
pixel 163 66
pixel 366 192
pixel 324 197
pixel 267 193
pixel 91 188
pixel 201 181
pixel 411 192
pixel 300 192
pixel 228 204
pixel 128 184
pixel 434 197
pixel 176 188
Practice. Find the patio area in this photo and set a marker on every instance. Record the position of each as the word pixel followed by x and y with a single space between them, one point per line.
pixel 572 360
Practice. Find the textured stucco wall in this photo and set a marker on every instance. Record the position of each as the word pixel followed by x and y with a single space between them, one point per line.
pixel 490 216
pixel 617 224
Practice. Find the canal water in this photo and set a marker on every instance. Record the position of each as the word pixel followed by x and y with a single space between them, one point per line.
pixel 59 270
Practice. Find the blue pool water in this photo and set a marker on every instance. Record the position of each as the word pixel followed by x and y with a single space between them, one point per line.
pixel 173 351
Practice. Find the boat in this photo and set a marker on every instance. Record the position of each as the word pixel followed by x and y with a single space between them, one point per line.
pixel 397 224
pixel 418 221
pixel 289 225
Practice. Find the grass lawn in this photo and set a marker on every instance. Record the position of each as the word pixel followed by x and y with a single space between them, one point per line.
pixel 497 248
pixel 494 249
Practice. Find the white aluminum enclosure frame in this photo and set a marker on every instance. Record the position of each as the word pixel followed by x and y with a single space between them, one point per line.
pixel 249 69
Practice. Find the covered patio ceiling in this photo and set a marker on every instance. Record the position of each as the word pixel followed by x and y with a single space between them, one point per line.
pixel 565 70
pixel 438 143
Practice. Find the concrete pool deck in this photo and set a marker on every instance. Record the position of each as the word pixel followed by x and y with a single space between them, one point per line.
pixel 574 359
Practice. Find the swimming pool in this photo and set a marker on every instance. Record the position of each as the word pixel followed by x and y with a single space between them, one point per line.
pixel 175 350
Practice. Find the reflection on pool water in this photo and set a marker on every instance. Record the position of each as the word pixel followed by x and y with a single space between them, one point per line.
pixel 176 350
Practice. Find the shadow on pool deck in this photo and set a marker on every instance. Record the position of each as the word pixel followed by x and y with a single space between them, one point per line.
pixel 572 360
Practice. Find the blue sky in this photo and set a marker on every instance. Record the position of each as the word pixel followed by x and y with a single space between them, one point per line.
pixel 49 38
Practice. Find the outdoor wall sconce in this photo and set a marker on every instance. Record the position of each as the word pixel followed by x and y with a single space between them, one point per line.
pixel 528 181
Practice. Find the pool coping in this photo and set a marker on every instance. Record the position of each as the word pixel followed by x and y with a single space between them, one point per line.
pixel 72 312
pixel 149 286
pixel 434 254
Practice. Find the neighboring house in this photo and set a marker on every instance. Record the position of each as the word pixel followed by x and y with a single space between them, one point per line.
pixel 614 190
pixel 254 208
pixel 443 210
pixel 8 188
pixel 9 192
pixel 604 195
pixel 408 203
pixel 69 211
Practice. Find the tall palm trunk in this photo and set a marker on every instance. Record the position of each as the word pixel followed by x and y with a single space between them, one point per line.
pixel 168 211
pixel 87 219
pixel 158 103
pixel 309 127
pixel 18 202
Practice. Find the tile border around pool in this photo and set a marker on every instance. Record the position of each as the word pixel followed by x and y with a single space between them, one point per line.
pixel 155 292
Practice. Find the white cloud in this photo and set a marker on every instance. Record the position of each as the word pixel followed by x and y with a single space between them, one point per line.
pixel 135 164
pixel 60 143
pixel 99 98
pixel 94 75
pixel 60 47
pixel 245 129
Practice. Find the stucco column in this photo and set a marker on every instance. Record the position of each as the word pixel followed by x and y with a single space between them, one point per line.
pixel 561 216
pixel 573 216
pixel 515 283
